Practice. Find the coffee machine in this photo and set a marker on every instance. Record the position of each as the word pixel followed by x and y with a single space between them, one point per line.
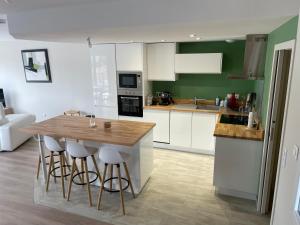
pixel 165 98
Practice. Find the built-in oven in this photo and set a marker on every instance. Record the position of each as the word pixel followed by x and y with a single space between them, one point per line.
pixel 130 105
pixel 130 82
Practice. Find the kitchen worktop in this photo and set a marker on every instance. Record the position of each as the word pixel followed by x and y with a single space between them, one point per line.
pixel 221 129
pixel 238 131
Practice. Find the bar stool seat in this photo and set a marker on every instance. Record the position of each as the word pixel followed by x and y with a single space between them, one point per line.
pixel 79 151
pixel 112 156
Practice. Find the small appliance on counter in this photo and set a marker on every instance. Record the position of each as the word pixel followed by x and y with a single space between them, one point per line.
pixel 165 98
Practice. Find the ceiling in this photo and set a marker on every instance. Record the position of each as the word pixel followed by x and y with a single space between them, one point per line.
pixel 143 20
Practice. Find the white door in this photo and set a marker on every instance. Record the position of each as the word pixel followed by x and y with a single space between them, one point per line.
pixel 161 61
pixel 129 57
pixel 203 126
pixel 161 132
pixel 181 129
pixel 103 63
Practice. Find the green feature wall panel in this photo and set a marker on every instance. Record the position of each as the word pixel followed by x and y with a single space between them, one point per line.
pixel 210 86
pixel 285 32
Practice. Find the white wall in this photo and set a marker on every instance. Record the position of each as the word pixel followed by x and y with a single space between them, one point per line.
pixel 289 172
pixel 71 86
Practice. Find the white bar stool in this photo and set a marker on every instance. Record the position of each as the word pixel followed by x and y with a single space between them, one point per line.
pixel 78 151
pixel 54 146
pixel 112 157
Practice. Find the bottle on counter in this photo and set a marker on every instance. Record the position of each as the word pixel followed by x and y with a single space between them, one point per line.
pixel 250 120
pixel 225 102
pixel 217 101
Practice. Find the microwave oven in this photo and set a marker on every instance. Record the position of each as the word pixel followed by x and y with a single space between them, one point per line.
pixel 130 83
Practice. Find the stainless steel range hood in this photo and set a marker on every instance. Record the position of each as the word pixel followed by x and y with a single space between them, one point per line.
pixel 255 58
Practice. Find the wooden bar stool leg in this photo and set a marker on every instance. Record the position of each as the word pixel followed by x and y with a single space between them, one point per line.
pixel 111 176
pixel 61 160
pixel 82 170
pixel 102 187
pixel 64 165
pixel 53 167
pixel 96 167
pixel 121 188
pixel 129 179
pixel 49 170
pixel 88 181
pixel 67 162
pixel 71 177
pixel 38 167
pixel 77 170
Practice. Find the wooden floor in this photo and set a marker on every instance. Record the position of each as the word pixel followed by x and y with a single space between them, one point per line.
pixel 180 192
pixel 17 171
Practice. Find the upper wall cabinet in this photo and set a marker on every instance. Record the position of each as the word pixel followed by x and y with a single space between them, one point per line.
pixel 161 61
pixel 206 63
pixel 129 57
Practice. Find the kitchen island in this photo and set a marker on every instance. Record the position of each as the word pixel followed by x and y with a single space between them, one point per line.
pixel 135 138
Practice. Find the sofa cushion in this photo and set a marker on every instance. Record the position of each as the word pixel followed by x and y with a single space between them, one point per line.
pixel 3 119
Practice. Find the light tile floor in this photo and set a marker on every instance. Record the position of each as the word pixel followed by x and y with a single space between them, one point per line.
pixel 180 191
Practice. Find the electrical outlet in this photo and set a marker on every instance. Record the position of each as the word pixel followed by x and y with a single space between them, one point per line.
pixel 296 152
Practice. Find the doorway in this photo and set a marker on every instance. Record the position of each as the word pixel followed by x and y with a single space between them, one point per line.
pixel 279 89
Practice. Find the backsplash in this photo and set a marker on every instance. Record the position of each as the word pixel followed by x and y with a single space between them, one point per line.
pixel 210 85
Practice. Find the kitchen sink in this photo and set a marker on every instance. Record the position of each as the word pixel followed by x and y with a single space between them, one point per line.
pixel 208 107
pixel 193 106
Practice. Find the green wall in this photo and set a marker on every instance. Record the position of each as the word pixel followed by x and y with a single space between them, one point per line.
pixel 210 86
pixel 285 32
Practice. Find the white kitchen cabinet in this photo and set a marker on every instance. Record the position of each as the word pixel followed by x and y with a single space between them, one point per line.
pixel 181 129
pixel 161 61
pixel 206 63
pixel 237 167
pixel 161 132
pixel 129 57
pixel 103 65
pixel 203 126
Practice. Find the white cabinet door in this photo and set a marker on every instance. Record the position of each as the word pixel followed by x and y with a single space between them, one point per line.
pixel 161 132
pixel 103 63
pixel 129 57
pixel 181 129
pixel 203 126
pixel 207 63
pixel 161 61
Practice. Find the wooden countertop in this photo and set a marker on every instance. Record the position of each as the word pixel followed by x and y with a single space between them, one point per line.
pixel 237 131
pixel 126 133
pixel 221 129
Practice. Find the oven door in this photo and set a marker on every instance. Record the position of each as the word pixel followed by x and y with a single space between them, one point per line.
pixel 128 80
pixel 130 105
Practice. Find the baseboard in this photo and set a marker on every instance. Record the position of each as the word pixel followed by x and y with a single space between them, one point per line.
pixel 235 193
pixel 182 149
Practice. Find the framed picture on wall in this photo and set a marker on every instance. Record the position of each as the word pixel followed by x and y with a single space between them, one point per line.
pixel 36 65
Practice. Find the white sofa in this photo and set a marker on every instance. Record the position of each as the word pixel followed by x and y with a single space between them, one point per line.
pixel 10 135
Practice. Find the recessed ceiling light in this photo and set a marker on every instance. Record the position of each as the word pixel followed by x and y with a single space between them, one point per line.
pixel 198 38
pixel 6 1
pixel 162 40
pixel 192 35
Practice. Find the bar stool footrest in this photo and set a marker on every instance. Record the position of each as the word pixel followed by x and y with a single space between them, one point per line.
pixel 84 183
pixel 114 190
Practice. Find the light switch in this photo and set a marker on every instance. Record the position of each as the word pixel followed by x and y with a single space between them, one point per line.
pixel 296 152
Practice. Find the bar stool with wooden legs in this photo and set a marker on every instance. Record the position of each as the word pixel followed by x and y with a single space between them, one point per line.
pixel 112 157
pixel 55 147
pixel 78 151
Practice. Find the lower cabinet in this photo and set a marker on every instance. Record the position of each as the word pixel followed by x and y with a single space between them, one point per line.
pixel 181 129
pixel 161 132
pixel 203 126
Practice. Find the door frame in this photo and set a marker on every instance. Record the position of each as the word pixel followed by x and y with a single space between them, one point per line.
pixel 288 45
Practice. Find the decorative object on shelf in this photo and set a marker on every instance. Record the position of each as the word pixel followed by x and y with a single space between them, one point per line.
pixel 36 65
